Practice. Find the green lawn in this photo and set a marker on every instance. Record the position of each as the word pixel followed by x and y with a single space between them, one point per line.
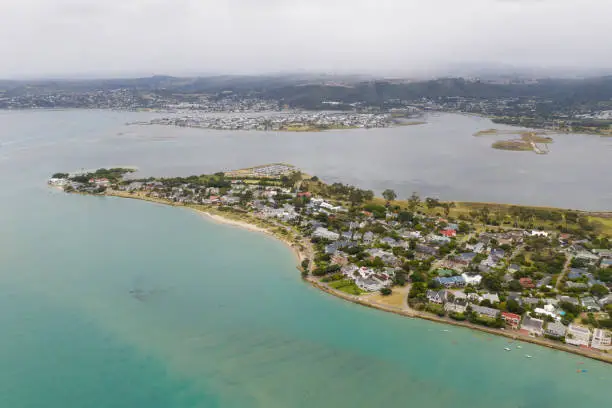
pixel 346 286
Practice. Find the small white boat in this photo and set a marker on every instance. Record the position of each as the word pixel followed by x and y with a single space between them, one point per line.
pixel 528 356
pixel 507 348
pixel 519 347
pixel 445 330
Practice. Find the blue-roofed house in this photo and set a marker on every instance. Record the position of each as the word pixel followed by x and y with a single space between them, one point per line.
pixel 592 281
pixel 576 273
pixel 486 311
pixel 467 256
pixel 451 281
pixel 498 253
pixel 544 281
pixel 439 239
pixel 479 247
pixel 606 263
pixel 347 235
pixel 389 241
pixel 436 296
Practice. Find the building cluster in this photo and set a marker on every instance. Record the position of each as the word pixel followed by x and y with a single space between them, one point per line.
pixel 123 99
pixel 134 99
pixel 276 121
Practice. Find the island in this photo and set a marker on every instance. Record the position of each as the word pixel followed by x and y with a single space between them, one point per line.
pixel 528 142
pixel 535 274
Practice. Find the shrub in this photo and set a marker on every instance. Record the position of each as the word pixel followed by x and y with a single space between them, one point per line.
pixel 386 291
pixel 457 316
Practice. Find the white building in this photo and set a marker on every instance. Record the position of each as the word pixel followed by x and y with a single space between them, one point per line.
pixel 60 182
pixel 602 339
pixel 471 280
pixel 325 233
pixel 371 284
pixel 548 310
pixel 578 335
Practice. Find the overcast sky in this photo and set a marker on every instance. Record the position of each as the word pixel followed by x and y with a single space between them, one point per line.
pixel 118 37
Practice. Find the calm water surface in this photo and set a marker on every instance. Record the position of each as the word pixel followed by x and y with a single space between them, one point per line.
pixel 224 319
pixel 441 158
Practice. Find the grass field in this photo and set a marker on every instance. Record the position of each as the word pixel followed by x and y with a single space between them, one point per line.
pixel 603 220
pixel 346 286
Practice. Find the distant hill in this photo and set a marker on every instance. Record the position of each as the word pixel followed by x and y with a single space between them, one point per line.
pixel 308 91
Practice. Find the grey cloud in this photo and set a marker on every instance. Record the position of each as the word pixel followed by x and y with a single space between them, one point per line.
pixel 56 37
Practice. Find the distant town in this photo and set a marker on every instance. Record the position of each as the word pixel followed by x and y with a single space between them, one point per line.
pixel 297 122
pixel 530 273
pixel 579 106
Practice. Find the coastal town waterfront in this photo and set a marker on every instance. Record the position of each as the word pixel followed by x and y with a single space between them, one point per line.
pixel 275 121
pixel 540 275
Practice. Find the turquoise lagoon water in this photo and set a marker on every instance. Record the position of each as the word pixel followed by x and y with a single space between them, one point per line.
pixel 107 302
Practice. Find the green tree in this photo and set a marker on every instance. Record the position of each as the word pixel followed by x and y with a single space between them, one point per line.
pixel 246 197
pixel 413 201
pixel 447 208
pixel 389 195
pixel 492 282
pixel 515 286
pixel 412 244
pixel 432 202
pixel 400 278
pixel 386 291
pixel 513 307
pixel 405 217
pixel 599 290
pixel 356 197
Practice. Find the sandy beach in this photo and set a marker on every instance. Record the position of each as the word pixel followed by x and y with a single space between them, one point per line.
pixel 304 250
pixel 300 255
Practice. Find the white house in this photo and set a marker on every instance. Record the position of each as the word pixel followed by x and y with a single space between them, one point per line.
pixel 325 233
pixel 536 233
pixel 58 182
pixel 534 327
pixel 602 339
pixel 435 296
pixel 547 310
pixel 577 335
pixel 471 280
pixel 587 257
pixel 491 297
pixel 370 284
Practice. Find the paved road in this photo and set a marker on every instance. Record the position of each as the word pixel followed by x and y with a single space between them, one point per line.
pixel 566 269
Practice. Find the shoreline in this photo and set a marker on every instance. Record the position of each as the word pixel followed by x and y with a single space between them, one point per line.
pixel 207 213
pixel 250 227
pixel 306 253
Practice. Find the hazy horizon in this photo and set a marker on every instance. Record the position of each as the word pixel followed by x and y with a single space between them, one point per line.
pixel 403 38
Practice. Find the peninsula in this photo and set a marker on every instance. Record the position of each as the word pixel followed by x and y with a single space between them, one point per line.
pixel 535 274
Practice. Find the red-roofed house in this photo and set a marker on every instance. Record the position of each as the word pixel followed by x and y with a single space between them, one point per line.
pixel 306 194
pixel 512 320
pixel 100 181
pixel 527 283
pixel 449 233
